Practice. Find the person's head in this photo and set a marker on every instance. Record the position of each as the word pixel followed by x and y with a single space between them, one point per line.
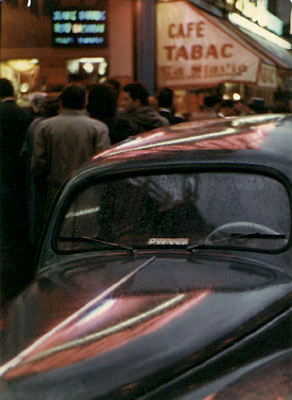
pixel 50 106
pixel 36 101
pixel 165 98
pixel 101 101
pixel 6 88
pixel 135 96
pixel 115 85
pixel 73 97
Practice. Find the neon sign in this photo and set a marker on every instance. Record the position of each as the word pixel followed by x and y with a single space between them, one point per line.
pixel 258 12
pixel 80 27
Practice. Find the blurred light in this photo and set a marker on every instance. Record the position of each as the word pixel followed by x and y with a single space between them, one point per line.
pixel 251 26
pixel 236 96
pixel 92 59
pixel 88 67
pixel 24 87
pixel 88 64
pixel 28 3
pixel 73 66
pixel 225 96
pixel 21 65
pixel 102 68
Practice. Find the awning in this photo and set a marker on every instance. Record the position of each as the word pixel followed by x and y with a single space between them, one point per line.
pixel 195 49
pixel 271 51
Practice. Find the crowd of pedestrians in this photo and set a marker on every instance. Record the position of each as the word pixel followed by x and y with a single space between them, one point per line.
pixel 40 146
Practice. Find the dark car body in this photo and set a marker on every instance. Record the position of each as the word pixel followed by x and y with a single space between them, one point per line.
pixel 181 299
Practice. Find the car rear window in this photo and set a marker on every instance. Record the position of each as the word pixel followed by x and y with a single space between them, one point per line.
pixel 217 209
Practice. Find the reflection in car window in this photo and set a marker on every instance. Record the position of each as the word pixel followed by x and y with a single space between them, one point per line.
pixel 230 209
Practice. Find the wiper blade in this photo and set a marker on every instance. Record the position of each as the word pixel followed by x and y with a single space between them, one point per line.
pixel 258 235
pixel 251 235
pixel 95 240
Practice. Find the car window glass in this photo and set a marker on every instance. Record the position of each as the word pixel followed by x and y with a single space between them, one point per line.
pixel 180 209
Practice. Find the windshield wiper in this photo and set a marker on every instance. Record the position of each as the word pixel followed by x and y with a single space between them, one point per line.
pixel 258 235
pixel 95 240
pixel 251 235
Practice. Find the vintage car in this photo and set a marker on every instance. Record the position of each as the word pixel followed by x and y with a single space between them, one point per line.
pixel 164 272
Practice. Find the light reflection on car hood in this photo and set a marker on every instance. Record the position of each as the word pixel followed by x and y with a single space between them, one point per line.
pixel 167 317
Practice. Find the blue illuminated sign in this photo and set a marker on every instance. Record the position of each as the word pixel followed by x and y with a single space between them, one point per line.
pixel 80 27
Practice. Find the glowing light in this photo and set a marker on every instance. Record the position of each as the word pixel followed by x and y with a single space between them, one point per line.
pixel 88 67
pixel 102 68
pixel 91 59
pixel 236 96
pixel 24 87
pixel 28 3
pixel 21 65
pixel 245 23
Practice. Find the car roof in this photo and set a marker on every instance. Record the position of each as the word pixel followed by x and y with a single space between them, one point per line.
pixel 264 140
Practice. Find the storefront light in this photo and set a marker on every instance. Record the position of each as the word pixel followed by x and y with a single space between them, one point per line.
pixel 251 26
pixel 91 59
pixel 102 68
pixel 88 67
pixel 22 65
pixel 88 64
pixel 24 87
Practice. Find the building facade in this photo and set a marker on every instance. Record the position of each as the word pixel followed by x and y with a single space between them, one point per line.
pixel 193 46
pixel 46 43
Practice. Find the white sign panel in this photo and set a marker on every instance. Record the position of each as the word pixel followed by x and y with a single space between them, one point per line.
pixel 268 76
pixel 193 50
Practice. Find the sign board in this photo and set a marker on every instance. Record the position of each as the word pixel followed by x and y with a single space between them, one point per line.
pixel 268 76
pixel 80 27
pixel 192 50
pixel 257 11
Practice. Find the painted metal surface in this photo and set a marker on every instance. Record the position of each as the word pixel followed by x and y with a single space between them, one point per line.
pixel 158 323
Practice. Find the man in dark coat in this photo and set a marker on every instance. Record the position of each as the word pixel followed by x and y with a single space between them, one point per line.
pixel 166 107
pixel 13 225
pixel 137 109
pixel 64 142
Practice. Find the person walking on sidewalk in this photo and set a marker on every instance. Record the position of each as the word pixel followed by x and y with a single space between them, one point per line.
pixel 64 142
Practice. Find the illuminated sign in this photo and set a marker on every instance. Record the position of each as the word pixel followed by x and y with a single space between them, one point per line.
pixel 193 50
pixel 79 27
pixel 258 12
